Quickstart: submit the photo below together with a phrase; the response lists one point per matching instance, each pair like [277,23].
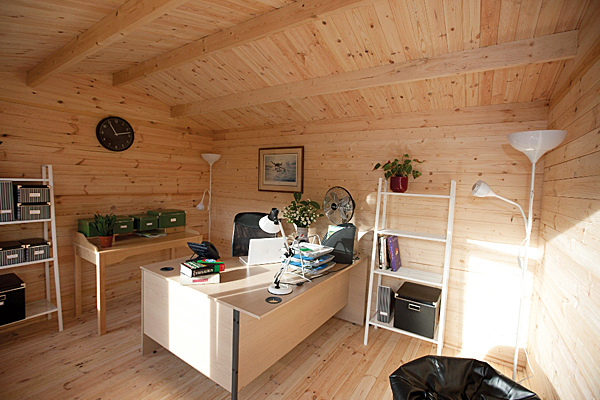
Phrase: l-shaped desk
[228,331]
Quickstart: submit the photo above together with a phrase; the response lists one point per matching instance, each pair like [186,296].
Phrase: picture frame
[281,169]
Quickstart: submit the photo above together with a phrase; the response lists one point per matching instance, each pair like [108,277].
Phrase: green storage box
[85,226]
[144,222]
[169,218]
[123,224]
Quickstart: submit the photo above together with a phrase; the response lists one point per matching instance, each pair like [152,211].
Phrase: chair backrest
[245,227]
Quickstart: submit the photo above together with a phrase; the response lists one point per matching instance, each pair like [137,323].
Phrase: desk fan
[339,206]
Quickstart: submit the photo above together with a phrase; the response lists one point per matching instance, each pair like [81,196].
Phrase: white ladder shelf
[410,274]
[44,306]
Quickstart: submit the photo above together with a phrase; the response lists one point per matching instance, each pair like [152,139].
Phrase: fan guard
[338,205]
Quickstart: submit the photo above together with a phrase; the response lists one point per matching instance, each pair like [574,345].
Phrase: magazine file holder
[342,242]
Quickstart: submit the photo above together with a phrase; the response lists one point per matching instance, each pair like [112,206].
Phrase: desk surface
[130,242]
[242,287]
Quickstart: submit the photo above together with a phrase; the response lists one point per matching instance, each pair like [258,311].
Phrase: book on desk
[201,271]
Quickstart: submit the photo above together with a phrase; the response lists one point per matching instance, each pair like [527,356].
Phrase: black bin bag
[452,378]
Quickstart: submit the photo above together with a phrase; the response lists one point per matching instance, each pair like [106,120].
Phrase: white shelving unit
[44,306]
[410,274]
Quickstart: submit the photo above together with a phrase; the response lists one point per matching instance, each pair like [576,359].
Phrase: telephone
[204,250]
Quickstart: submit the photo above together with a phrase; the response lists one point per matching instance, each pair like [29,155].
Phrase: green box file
[169,218]
[123,224]
[144,222]
[85,226]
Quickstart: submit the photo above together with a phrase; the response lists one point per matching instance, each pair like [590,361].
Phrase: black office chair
[245,227]
[453,378]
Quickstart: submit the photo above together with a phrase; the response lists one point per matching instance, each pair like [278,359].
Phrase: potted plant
[302,213]
[104,224]
[398,171]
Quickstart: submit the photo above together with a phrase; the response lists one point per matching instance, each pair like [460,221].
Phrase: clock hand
[113,128]
[122,133]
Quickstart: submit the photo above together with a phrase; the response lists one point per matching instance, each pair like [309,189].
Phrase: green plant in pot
[104,224]
[398,172]
[302,213]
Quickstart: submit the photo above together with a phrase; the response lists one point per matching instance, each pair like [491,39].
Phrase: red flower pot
[106,241]
[399,184]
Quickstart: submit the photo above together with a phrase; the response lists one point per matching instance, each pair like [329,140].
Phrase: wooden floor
[38,362]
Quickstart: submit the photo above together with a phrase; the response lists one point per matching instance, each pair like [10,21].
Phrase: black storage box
[12,299]
[7,205]
[417,309]
[28,212]
[28,194]
[11,253]
[36,249]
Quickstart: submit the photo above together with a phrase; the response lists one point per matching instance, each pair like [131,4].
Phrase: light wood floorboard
[37,362]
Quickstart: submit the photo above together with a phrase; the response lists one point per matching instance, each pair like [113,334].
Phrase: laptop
[264,251]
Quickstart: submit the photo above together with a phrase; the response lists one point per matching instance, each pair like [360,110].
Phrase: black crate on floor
[417,309]
[12,299]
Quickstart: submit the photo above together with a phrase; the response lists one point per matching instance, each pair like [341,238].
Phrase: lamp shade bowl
[482,189]
[535,143]
[267,225]
[211,158]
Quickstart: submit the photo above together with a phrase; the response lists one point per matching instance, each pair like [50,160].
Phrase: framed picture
[281,169]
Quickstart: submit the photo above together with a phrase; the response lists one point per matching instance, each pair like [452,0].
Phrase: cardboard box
[169,218]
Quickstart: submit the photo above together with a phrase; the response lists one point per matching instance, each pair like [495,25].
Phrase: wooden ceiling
[240,63]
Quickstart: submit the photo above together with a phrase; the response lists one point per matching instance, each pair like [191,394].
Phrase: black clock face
[115,134]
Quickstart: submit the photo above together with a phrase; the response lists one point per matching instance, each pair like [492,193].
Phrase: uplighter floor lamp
[210,159]
[534,144]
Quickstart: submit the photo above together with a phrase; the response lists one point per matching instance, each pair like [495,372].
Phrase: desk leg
[100,296]
[235,352]
[77,261]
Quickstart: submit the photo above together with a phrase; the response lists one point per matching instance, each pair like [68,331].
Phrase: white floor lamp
[210,159]
[534,144]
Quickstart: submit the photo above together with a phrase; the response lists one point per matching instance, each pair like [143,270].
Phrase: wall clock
[114,134]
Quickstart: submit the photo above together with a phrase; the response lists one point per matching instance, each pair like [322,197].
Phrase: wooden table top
[242,287]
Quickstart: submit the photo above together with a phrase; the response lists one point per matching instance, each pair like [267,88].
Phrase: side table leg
[235,352]
[100,296]
[77,262]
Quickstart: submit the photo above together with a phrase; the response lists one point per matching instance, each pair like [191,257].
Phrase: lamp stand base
[281,290]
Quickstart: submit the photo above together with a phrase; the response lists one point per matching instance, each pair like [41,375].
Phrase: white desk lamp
[210,159]
[271,224]
[534,144]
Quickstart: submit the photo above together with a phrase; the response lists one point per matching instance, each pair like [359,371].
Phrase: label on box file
[34,212]
[173,219]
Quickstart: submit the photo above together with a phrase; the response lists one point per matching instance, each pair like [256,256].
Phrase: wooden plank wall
[55,124]
[564,340]
[461,144]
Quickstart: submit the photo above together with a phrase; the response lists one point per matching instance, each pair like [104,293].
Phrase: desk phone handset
[204,250]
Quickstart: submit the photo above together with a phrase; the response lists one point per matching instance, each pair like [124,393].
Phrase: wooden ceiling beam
[127,18]
[279,20]
[560,46]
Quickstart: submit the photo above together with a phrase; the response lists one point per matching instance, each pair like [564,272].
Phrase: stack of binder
[312,259]
[202,271]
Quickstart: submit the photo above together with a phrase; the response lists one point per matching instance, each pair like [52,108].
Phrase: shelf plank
[25,179]
[390,326]
[26,263]
[25,222]
[432,196]
[37,308]
[413,235]
[413,275]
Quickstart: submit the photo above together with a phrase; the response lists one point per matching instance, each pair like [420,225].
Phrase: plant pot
[302,234]
[399,184]
[106,241]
